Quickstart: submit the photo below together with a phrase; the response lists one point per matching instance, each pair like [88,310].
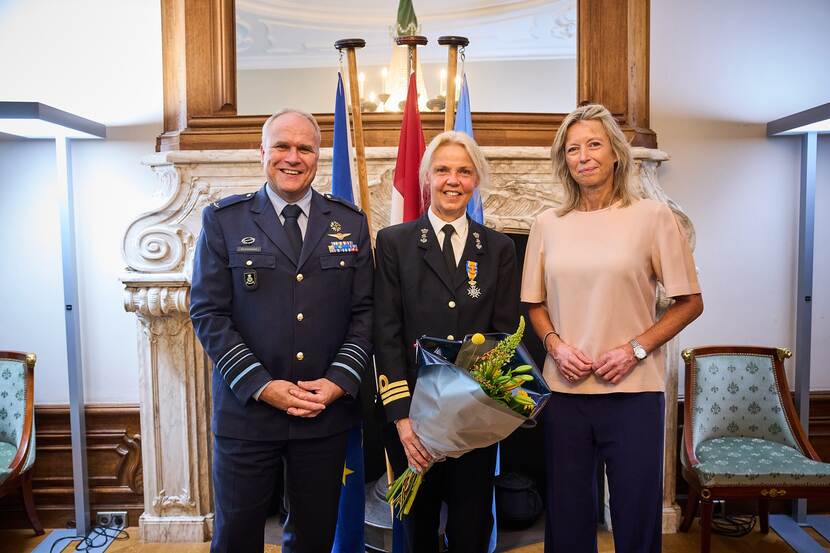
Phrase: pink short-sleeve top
[597,274]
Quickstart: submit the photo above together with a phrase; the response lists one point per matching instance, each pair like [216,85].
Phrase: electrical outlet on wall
[111,519]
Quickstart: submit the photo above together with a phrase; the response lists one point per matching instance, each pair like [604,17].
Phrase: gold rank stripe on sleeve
[392,391]
[395,397]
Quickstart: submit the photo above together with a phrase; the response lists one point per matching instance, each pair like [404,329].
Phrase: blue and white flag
[475,209]
[464,123]
[349,537]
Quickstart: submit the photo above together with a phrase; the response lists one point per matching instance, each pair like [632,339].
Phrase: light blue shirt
[304,204]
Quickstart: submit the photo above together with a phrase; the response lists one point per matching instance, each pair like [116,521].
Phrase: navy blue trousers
[244,478]
[623,430]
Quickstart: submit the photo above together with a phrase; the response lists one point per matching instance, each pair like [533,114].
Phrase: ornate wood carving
[114,464]
[199,58]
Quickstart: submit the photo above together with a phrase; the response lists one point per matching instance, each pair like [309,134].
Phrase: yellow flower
[477,339]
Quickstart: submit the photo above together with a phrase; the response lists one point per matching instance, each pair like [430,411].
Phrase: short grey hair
[299,112]
[619,144]
[464,140]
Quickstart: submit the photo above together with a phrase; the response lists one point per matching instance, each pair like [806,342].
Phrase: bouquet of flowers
[469,395]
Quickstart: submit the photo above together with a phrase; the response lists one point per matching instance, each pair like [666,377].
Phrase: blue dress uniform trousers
[261,314]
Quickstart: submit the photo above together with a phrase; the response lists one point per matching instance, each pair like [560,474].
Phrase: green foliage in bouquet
[488,370]
[504,387]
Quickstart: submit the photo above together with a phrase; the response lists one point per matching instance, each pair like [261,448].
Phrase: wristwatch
[639,351]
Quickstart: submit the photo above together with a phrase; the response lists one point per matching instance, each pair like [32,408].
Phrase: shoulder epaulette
[231,200]
[341,201]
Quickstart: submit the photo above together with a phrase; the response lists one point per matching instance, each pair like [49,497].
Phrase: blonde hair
[301,113]
[619,145]
[462,139]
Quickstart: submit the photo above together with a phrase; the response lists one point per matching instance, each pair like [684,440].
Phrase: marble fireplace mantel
[175,372]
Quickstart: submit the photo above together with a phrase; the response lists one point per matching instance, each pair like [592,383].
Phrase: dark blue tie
[446,249]
[291,213]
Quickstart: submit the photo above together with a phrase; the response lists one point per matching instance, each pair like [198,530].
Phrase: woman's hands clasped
[613,365]
[571,362]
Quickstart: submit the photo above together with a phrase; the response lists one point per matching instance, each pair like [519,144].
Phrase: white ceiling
[273,34]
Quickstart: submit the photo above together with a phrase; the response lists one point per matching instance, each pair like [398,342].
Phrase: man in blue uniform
[281,301]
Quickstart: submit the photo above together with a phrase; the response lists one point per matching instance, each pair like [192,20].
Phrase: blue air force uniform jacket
[260,316]
[416,295]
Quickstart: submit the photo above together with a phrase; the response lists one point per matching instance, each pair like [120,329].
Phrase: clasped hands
[304,399]
[575,365]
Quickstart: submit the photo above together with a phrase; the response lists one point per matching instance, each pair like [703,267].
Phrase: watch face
[640,352]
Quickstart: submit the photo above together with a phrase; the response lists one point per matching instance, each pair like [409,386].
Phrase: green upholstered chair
[741,435]
[17,428]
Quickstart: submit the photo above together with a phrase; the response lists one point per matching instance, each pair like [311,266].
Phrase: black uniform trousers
[625,430]
[464,484]
[244,478]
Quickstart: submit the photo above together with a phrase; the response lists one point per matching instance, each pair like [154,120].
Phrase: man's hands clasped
[303,399]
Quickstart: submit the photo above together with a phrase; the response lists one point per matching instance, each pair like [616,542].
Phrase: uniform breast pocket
[346,261]
[250,268]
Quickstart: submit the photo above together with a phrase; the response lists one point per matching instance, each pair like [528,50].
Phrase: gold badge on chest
[335,231]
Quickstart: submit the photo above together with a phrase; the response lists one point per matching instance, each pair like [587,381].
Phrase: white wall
[102,60]
[720,71]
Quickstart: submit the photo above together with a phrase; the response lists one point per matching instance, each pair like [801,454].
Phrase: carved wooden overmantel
[175,373]
[200,111]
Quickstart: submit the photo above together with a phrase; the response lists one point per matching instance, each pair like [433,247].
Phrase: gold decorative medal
[472,272]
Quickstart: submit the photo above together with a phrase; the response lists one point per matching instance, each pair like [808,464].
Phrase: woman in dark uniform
[442,275]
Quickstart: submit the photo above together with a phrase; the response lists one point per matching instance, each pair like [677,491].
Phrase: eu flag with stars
[349,536]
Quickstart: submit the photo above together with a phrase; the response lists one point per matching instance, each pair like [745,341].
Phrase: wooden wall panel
[113,464]
[199,58]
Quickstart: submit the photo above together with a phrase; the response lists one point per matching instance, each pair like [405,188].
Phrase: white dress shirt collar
[459,238]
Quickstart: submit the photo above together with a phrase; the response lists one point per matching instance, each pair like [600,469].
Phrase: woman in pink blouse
[591,272]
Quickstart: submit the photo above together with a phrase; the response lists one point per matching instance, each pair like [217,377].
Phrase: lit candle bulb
[442,88]
[361,79]
[384,75]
